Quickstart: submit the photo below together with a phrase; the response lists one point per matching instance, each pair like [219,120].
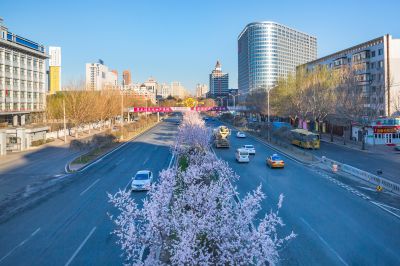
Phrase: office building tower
[98,77]
[54,69]
[219,82]
[126,77]
[268,51]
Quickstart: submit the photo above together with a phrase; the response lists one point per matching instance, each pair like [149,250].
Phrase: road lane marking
[20,244]
[145,161]
[80,247]
[117,163]
[89,187]
[384,207]
[323,241]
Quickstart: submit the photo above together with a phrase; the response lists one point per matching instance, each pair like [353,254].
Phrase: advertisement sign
[386,130]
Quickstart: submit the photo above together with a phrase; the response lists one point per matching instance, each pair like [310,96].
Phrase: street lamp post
[269,126]
[234,100]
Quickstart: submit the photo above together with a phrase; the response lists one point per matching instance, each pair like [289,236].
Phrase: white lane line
[120,161]
[170,162]
[145,161]
[89,187]
[323,241]
[20,244]
[385,209]
[80,247]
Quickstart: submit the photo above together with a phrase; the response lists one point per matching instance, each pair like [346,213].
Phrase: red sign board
[175,109]
[386,129]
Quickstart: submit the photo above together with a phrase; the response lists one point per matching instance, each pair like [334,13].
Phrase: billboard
[176,109]
[54,56]
[54,79]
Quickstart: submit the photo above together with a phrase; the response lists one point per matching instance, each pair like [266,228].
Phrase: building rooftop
[18,41]
[275,23]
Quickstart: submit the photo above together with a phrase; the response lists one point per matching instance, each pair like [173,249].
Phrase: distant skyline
[182,40]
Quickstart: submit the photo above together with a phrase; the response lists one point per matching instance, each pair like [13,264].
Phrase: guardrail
[366,176]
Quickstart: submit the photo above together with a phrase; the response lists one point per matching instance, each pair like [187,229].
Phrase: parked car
[240,134]
[242,155]
[275,161]
[250,149]
[397,147]
[142,180]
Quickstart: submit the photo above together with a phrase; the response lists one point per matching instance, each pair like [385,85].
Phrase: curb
[98,159]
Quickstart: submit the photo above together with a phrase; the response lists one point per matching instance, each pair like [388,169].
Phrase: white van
[242,156]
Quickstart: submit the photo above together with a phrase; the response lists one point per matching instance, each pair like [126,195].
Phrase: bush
[97,141]
[39,142]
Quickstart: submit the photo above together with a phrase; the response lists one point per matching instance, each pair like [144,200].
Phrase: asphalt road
[334,225]
[18,171]
[72,227]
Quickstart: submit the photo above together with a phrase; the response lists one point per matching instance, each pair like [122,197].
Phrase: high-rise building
[54,69]
[99,77]
[219,82]
[268,51]
[377,66]
[116,73]
[22,77]
[178,90]
[126,77]
[164,90]
[201,90]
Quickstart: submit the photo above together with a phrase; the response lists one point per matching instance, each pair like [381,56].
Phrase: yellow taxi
[275,161]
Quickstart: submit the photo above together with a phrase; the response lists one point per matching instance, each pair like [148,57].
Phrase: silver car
[250,149]
[142,180]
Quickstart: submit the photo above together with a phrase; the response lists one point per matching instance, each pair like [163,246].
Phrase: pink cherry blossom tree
[190,216]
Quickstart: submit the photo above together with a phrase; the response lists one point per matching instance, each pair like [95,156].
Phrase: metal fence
[366,176]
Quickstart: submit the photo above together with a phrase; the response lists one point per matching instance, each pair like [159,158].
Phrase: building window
[380,52]
[373,54]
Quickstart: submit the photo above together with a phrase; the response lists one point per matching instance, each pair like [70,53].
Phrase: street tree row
[339,96]
[84,107]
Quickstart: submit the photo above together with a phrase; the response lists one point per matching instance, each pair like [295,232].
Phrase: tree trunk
[344,135]
[331,132]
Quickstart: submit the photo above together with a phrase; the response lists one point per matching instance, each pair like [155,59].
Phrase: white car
[242,156]
[240,134]
[250,149]
[142,180]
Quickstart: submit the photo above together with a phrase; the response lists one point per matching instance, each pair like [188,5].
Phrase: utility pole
[65,124]
[122,108]
[268,115]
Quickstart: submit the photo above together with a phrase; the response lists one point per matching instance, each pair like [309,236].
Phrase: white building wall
[23,80]
[98,76]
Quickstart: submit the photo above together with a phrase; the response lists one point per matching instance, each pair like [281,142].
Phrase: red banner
[175,109]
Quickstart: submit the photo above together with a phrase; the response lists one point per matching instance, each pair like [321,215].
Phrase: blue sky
[181,40]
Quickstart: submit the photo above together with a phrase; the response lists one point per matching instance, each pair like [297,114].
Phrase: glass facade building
[268,51]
